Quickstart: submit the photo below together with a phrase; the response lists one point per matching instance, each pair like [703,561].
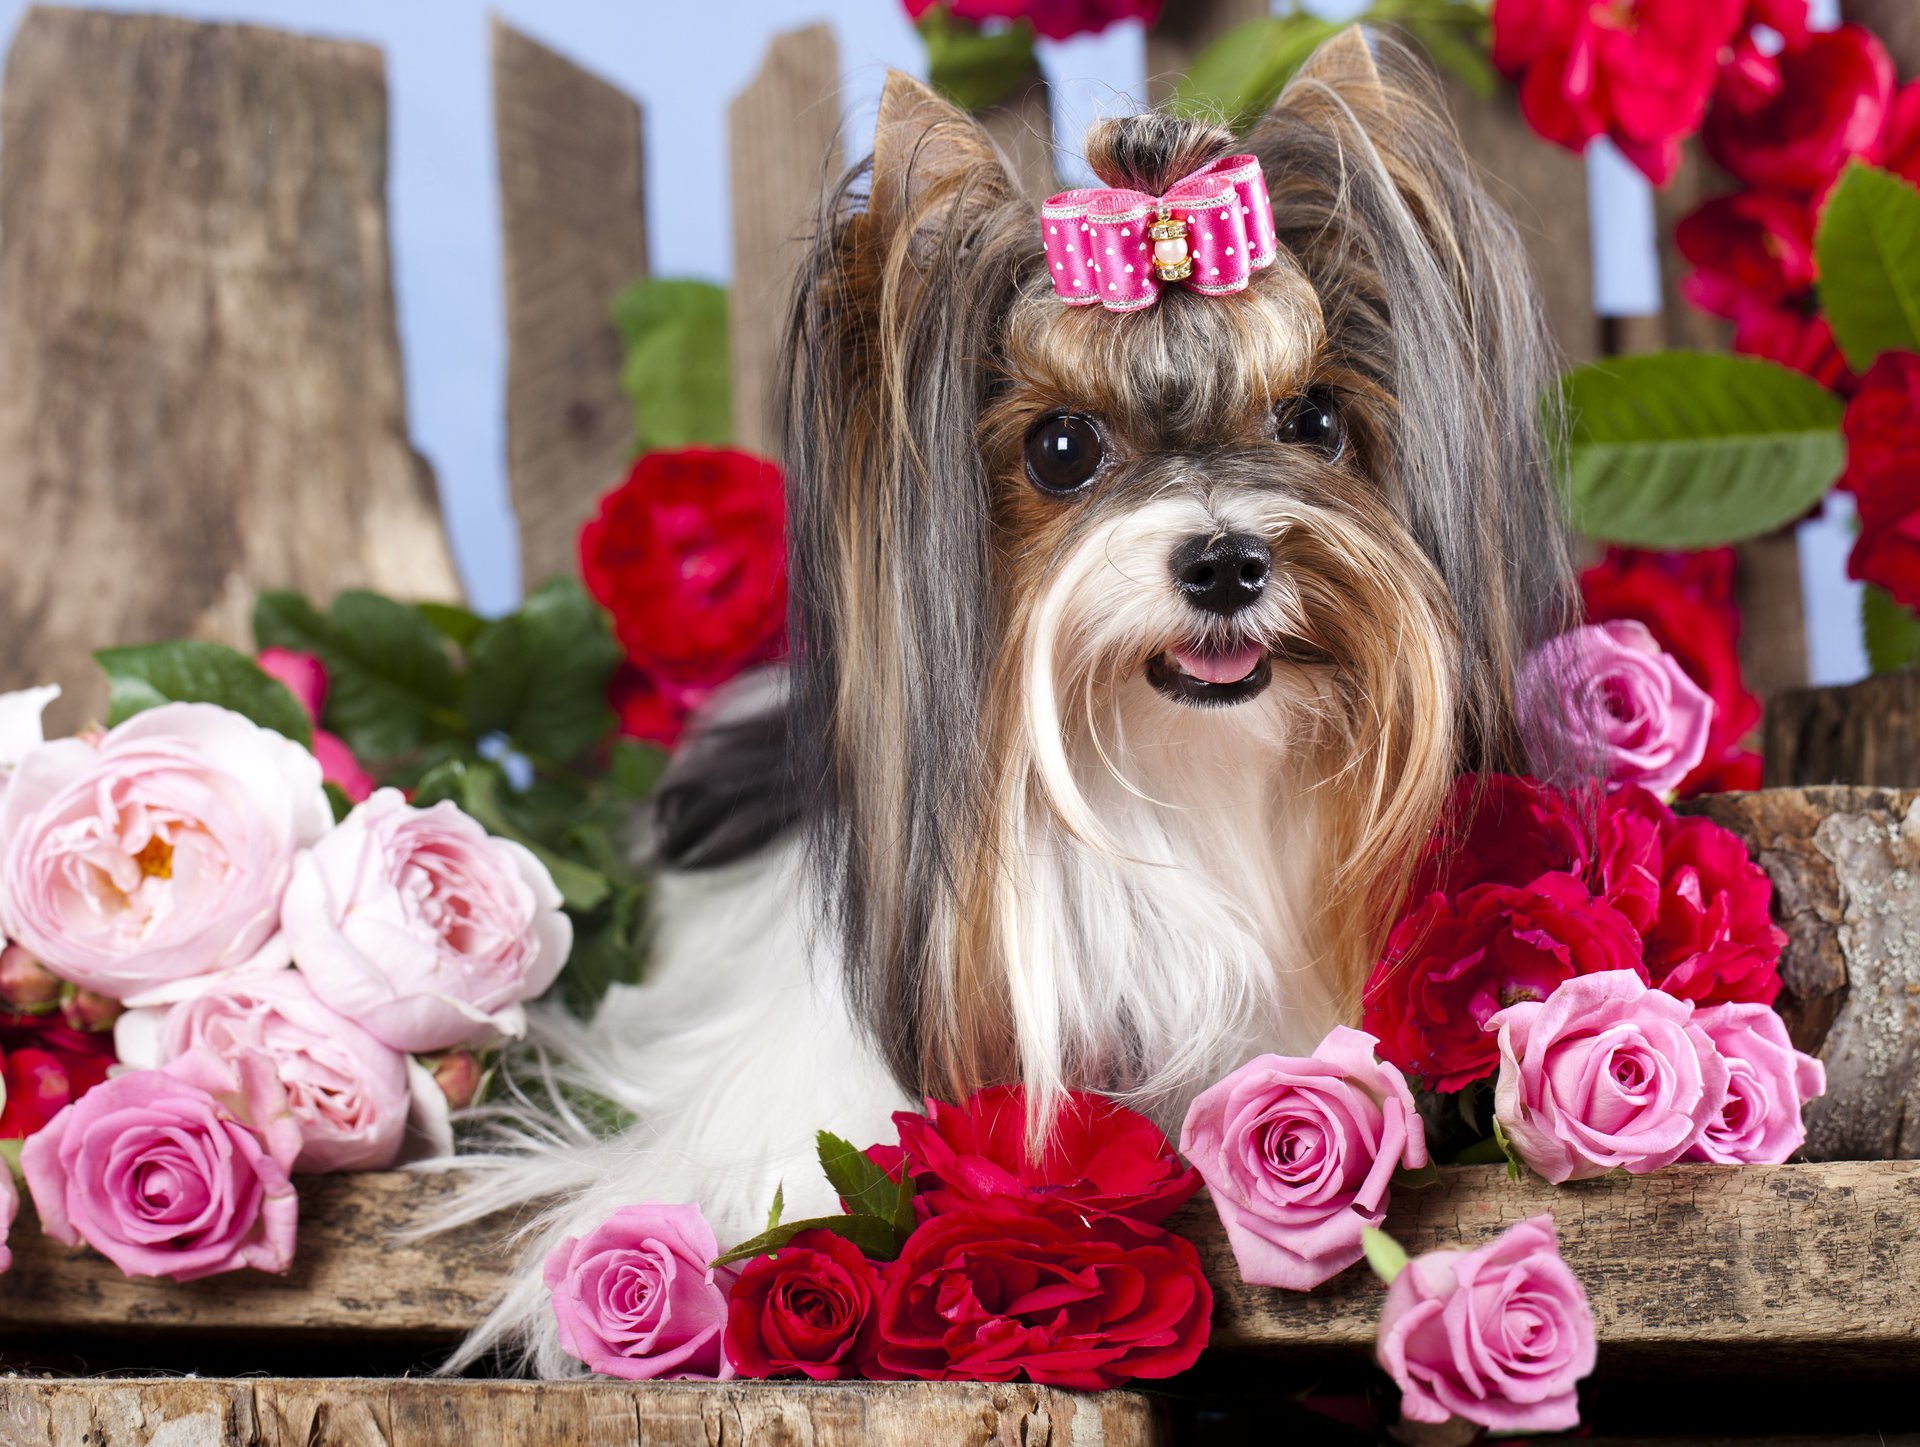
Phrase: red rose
[1750,250]
[993,1293]
[48,1066]
[1639,71]
[1453,963]
[1711,939]
[1795,336]
[1686,602]
[1883,473]
[1502,829]
[1055,19]
[689,556]
[807,1309]
[1900,146]
[1757,73]
[1098,1158]
[1831,103]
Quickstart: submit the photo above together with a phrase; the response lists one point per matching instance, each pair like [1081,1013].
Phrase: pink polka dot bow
[1211,231]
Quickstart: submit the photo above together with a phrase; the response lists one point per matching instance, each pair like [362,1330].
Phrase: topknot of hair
[1151,151]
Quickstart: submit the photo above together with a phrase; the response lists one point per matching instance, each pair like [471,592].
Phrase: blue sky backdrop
[683,62]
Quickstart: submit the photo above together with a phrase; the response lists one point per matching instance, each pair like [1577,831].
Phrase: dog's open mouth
[1211,677]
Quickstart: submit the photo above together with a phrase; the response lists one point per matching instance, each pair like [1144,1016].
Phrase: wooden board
[1021,125]
[1767,1265]
[573,230]
[284,1412]
[200,383]
[1862,733]
[783,139]
[1897,22]
[1183,30]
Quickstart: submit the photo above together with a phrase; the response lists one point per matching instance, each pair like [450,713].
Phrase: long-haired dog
[1134,654]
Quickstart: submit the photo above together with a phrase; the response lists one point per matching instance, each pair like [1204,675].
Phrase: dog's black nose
[1222,574]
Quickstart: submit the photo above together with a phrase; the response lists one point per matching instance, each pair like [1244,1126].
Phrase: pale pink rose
[20,727]
[348,1091]
[1499,1335]
[1610,690]
[306,679]
[1605,1074]
[1298,1155]
[180,1171]
[1769,1084]
[423,927]
[635,1297]
[156,852]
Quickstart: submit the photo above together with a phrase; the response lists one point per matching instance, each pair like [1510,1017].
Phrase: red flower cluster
[1686,601]
[1050,1267]
[1785,126]
[689,556]
[1640,72]
[1883,474]
[48,1065]
[1526,887]
[1055,19]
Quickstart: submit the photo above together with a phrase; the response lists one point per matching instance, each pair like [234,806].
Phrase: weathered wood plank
[1021,124]
[354,1412]
[1862,733]
[1185,29]
[1845,865]
[573,226]
[783,137]
[1799,1264]
[200,382]
[1897,22]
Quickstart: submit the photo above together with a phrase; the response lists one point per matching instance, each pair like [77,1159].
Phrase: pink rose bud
[157,852]
[458,1076]
[1298,1154]
[25,983]
[89,1010]
[421,926]
[635,1297]
[1769,1084]
[1609,695]
[303,673]
[1605,1074]
[1499,1335]
[178,1172]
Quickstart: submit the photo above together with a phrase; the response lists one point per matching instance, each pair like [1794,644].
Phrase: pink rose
[306,679]
[1299,1153]
[423,927]
[1769,1082]
[9,1208]
[1606,1073]
[348,1091]
[1498,1335]
[1608,692]
[635,1297]
[158,851]
[178,1172]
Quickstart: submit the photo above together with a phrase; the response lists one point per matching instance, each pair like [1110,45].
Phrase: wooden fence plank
[1897,22]
[200,383]
[1186,28]
[283,1412]
[1021,125]
[573,227]
[1763,1265]
[783,136]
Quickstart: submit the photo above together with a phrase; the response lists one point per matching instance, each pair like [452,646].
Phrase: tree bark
[573,226]
[200,382]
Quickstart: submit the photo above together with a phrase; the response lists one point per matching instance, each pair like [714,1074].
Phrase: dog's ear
[1436,338]
[932,163]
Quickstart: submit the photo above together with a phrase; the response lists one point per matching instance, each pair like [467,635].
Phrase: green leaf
[1420,1179]
[873,1235]
[390,683]
[337,799]
[582,888]
[1515,1166]
[607,951]
[1683,450]
[1455,33]
[1868,253]
[634,768]
[540,674]
[1892,631]
[459,626]
[1235,79]
[1386,1256]
[865,1187]
[972,67]
[779,1205]
[677,369]
[1487,1152]
[150,674]
[442,781]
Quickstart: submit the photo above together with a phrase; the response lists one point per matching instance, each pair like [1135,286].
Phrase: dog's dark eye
[1063,452]
[1312,420]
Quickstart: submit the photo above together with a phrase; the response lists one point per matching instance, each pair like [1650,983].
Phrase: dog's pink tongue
[1213,666]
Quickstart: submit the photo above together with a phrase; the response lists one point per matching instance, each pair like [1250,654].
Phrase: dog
[1135,651]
